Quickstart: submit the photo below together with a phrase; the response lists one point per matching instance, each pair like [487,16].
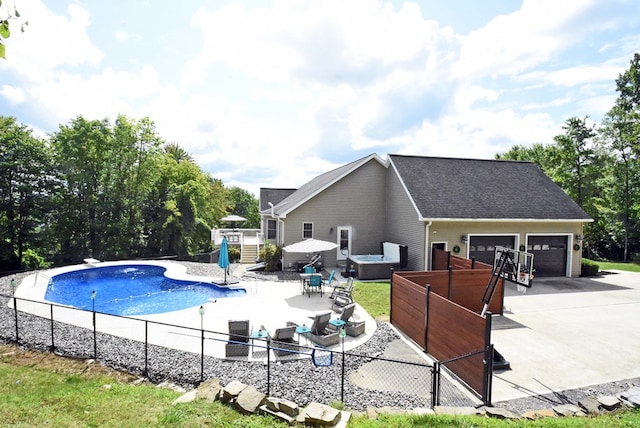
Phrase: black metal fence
[187,356]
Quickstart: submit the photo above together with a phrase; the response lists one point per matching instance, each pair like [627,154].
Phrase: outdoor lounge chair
[342,288]
[342,297]
[320,334]
[353,328]
[284,342]
[238,344]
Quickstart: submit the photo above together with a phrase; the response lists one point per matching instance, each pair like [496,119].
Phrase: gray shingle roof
[448,188]
[272,195]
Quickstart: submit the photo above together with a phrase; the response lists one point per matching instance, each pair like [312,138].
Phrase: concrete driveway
[568,333]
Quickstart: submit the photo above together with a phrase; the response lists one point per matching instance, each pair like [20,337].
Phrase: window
[307,230]
[271,229]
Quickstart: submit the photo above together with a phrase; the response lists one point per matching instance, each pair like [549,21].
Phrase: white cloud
[523,39]
[12,94]
[286,90]
[51,41]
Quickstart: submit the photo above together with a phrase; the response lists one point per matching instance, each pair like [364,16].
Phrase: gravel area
[297,380]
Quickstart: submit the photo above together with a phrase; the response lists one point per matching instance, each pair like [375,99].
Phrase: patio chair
[320,334]
[329,280]
[284,342]
[342,298]
[238,344]
[342,288]
[353,328]
[314,283]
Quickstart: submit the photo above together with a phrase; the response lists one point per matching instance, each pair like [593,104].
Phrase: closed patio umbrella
[223,258]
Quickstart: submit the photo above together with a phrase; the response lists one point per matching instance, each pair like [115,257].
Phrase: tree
[183,204]
[621,133]
[5,33]
[27,181]
[537,153]
[574,157]
[245,204]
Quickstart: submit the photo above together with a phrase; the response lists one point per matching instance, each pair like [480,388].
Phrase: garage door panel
[549,255]
[482,248]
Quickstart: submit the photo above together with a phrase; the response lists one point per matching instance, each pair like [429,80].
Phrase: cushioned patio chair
[239,334]
[320,334]
[353,328]
[283,341]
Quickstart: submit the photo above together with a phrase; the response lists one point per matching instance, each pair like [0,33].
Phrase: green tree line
[109,191]
[598,165]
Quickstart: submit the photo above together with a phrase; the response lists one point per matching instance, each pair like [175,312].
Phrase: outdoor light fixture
[578,238]
[463,239]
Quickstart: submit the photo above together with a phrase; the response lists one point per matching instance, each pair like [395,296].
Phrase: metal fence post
[268,366]
[95,339]
[146,348]
[343,333]
[488,375]
[201,312]
[15,311]
[53,346]
[435,384]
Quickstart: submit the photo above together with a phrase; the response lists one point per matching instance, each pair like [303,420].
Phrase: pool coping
[267,304]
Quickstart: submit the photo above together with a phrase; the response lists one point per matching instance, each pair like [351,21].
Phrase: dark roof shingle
[449,188]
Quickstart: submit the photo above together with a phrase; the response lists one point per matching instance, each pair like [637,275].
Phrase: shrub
[32,260]
[589,268]
[234,254]
[272,257]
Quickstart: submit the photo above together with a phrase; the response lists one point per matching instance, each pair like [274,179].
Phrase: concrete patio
[568,333]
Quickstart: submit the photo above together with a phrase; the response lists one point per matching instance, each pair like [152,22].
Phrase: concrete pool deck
[267,304]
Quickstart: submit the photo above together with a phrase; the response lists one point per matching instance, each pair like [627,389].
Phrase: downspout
[427,256]
[279,227]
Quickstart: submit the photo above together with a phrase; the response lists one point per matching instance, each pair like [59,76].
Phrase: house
[467,206]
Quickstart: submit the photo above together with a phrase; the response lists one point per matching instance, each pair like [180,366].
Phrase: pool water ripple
[131,290]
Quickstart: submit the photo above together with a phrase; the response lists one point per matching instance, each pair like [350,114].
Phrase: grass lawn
[628,266]
[374,297]
[73,396]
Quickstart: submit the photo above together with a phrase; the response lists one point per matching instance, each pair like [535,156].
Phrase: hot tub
[378,266]
[372,266]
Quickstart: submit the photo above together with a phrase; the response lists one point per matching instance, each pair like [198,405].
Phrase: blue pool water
[131,290]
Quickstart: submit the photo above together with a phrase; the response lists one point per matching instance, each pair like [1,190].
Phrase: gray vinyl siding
[357,201]
[403,225]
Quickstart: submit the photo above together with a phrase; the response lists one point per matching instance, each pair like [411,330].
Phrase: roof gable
[320,183]
[449,188]
[272,195]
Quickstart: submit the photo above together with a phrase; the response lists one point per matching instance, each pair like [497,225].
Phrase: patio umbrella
[310,246]
[223,258]
[233,219]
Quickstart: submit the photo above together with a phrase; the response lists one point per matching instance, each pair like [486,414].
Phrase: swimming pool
[131,289]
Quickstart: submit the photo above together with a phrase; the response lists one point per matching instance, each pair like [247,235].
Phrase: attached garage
[482,248]
[549,254]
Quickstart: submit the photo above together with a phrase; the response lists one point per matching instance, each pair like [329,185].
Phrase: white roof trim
[406,191]
[509,220]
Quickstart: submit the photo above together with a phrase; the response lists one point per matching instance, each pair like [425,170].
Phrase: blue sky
[273,93]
